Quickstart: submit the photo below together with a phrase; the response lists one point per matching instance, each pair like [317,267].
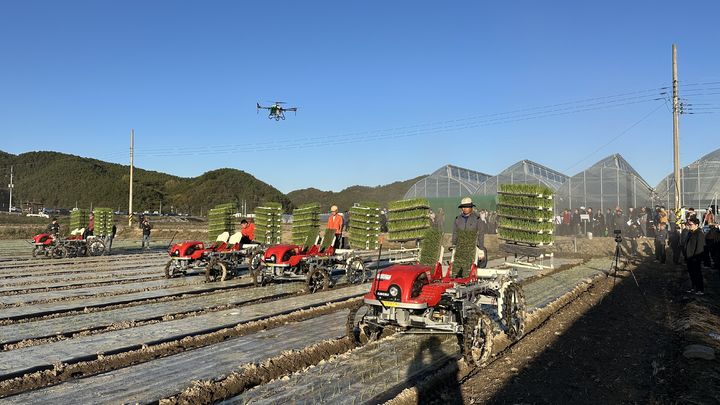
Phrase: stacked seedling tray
[79,219]
[268,222]
[408,219]
[306,223]
[525,214]
[103,221]
[365,226]
[221,219]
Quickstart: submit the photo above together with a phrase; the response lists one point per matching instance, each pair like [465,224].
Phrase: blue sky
[386,90]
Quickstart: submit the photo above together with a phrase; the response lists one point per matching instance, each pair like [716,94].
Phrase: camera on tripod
[618,235]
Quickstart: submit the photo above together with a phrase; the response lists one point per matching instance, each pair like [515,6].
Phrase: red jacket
[249,231]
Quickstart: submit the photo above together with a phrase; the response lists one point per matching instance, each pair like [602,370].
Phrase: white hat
[334,208]
[466,202]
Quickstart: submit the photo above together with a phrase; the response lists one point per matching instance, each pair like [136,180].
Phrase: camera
[618,235]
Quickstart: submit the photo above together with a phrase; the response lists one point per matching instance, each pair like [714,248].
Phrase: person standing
[146,228]
[440,219]
[335,222]
[661,238]
[712,240]
[694,248]
[111,236]
[674,242]
[468,220]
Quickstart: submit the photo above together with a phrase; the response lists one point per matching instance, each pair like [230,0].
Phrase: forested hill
[59,180]
[345,198]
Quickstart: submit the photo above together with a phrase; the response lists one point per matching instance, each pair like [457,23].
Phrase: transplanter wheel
[215,271]
[37,250]
[513,311]
[355,271]
[59,252]
[96,248]
[476,342]
[318,279]
[256,261]
[358,329]
[258,276]
[171,269]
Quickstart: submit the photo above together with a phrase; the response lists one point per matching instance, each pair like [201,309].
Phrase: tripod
[614,267]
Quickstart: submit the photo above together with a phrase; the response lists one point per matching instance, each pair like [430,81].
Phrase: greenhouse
[609,183]
[700,183]
[523,172]
[448,181]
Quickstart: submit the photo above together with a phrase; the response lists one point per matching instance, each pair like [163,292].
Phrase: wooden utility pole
[132,156]
[676,132]
[11,186]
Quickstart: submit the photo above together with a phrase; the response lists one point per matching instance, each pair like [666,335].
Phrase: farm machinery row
[316,264]
[76,245]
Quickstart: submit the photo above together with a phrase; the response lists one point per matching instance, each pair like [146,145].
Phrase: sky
[385,91]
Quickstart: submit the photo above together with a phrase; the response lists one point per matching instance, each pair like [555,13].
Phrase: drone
[277,111]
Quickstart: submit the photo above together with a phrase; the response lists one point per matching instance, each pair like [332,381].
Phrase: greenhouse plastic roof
[700,183]
[448,181]
[526,171]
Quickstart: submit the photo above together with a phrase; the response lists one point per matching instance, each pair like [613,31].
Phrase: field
[112,329]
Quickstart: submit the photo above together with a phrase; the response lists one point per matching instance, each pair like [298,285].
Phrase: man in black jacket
[694,248]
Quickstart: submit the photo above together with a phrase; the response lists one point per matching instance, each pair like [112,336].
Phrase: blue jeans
[146,240]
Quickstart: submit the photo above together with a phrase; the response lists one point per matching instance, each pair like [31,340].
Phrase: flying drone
[276,110]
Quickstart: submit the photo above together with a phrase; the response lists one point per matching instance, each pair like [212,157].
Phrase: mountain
[345,198]
[60,180]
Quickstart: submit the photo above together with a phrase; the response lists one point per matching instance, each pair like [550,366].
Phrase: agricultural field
[113,329]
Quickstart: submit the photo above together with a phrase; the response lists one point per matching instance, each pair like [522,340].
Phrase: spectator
[440,219]
[618,222]
[661,239]
[146,227]
[109,238]
[713,240]
[709,218]
[674,242]
[599,228]
[694,248]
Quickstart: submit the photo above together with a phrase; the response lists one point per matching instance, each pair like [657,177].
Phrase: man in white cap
[335,221]
[469,220]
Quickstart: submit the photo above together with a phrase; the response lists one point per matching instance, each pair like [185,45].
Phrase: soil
[616,343]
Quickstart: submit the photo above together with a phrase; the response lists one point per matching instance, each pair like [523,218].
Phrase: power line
[626,130]
[439,126]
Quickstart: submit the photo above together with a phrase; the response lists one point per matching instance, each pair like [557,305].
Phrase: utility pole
[676,131]
[132,156]
[11,186]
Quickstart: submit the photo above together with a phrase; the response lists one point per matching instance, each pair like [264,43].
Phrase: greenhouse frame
[700,183]
[447,181]
[611,182]
[524,172]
